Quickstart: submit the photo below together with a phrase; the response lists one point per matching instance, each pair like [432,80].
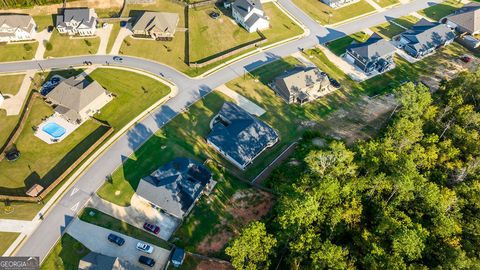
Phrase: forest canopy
[409,198]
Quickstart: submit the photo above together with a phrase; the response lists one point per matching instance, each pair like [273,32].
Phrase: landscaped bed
[17,51]
[327,15]
[63,45]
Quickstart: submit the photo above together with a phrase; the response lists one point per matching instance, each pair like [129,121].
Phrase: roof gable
[375,47]
[467,17]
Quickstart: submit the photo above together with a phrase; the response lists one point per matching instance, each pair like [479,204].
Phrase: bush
[88,42]
[48,46]
[27,47]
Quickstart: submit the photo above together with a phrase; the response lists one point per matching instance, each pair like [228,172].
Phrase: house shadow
[331,35]
[66,221]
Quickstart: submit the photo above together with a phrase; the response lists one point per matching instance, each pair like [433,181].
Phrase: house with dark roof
[338,3]
[375,54]
[301,84]
[425,37]
[76,99]
[250,15]
[465,19]
[97,261]
[239,136]
[157,25]
[77,21]
[176,186]
[16,27]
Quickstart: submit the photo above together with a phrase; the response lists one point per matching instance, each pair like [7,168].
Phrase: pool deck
[55,118]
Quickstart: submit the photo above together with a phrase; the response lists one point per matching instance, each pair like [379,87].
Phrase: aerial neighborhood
[240,134]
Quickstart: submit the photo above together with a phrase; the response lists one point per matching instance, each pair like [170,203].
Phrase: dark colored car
[466,59]
[178,256]
[146,260]
[334,83]
[151,228]
[116,239]
[117,59]
[123,24]
[12,155]
[214,15]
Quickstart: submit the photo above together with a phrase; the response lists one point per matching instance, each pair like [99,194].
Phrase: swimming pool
[53,129]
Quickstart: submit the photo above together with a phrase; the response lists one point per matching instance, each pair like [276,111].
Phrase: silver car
[145,247]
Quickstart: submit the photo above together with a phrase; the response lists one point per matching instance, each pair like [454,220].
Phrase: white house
[16,27]
[77,21]
[338,3]
[250,15]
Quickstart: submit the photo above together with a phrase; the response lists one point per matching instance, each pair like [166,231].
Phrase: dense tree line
[409,199]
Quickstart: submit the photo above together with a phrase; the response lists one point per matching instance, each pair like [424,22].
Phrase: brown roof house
[465,19]
[77,99]
[16,27]
[157,25]
[301,84]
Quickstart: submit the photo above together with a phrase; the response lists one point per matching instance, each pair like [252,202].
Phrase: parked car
[214,15]
[334,83]
[12,155]
[116,239]
[151,228]
[123,24]
[144,247]
[146,260]
[466,59]
[178,256]
[117,59]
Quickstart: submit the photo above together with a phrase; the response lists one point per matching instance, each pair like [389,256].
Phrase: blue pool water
[53,129]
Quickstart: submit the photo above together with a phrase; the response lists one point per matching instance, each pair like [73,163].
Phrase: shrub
[27,47]
[48,46]
[88,42]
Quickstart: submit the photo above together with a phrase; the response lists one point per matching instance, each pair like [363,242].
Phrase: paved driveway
[95,239]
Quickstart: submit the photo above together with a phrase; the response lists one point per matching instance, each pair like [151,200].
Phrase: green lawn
[113,36]
[106,221]
[43,21]
[386,3]
[339,46]
[65,255]
[388,30]
[134,94]
[407,21]
[9,84]
[441,10]
[17,51]
[68,46]
[7,240]
[281,26]
[321,12]
[107,12]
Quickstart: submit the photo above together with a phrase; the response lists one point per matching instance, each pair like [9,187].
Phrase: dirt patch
[361,121]
[209,265]
[244,206]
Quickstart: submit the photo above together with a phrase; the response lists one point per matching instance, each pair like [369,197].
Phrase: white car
[144,247]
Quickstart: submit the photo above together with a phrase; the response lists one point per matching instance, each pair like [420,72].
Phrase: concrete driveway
[95,239]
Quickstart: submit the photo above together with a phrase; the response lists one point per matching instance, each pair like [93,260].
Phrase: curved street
[44,236]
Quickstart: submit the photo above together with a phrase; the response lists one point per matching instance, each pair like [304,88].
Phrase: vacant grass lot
[7,240]
[17,51]
[65,255]
[281,27]
[320,12]
[388,30]
[43,21]
[441,10]
[339,46]
[113,36]
[68,46]
[106,221]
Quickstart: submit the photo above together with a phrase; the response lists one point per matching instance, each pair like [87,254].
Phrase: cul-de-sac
[239,134]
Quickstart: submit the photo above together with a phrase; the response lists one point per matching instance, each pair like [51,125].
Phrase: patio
[58,120]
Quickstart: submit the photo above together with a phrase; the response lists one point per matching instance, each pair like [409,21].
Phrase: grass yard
[106,221]
[441,10]
[339,46]
[321,12]
[7,240]
[407,21]
[43,21]
[68,46]
[9,84]
[208,36]
[281,26]
[17,51]
[387,30]
[113,36]
[65,255]
[108,12]
[386,3]
[134,94]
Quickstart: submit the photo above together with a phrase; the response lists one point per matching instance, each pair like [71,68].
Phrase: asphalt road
[190,90]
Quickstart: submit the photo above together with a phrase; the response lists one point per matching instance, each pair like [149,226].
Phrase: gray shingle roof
[97,261]
[240,135]
[243,6]
[374,47]
[83,15]
[175,186]
[425,34]
[22,21]
[467,17]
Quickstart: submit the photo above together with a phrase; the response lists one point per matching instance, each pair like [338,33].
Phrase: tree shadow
[138,135]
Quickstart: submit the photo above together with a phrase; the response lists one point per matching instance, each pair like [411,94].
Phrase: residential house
[176,186]
[77,21]
[16,27]
[239,136]
[76,99]
[301,84]
[157,25]
[97,261]
[376,54]
[465,19]
[338,3]
[250,15]
[425,37]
